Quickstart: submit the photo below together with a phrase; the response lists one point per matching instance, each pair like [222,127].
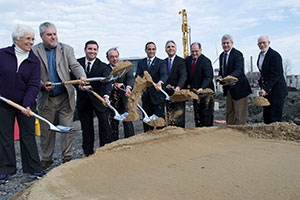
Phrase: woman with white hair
[19,82]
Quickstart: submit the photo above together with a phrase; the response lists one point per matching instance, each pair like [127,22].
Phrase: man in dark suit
[272,82]
[119,98]
[87,103]
[232,63]
[153,99]
[177,76]
[200,76]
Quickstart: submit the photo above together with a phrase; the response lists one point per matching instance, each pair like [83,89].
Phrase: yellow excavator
[186,31]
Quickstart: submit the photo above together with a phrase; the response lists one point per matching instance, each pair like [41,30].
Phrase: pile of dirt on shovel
[174,163]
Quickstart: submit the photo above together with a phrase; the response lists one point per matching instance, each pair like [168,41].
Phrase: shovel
[58,128]
[164,92]
[117,115]
[147,118]
[102,79]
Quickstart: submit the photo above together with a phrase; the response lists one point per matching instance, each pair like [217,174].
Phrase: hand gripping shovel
[58,128]
[148,77]
[117,115]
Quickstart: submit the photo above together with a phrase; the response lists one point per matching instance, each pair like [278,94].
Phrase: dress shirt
[261,58]
[86,64]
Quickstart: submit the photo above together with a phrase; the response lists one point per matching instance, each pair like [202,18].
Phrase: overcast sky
[128,25]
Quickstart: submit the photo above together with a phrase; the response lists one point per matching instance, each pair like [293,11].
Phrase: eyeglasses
[262,42]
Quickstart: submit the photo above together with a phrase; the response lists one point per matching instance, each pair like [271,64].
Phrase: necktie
[224,64]
[170,65]
[88,67]
[193,66]
[149,64]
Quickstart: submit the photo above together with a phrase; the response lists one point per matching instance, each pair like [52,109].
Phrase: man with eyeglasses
[200,76]
[272,82]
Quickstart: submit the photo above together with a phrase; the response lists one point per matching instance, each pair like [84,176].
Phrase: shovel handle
[98,97]
[17,106]
[72,82]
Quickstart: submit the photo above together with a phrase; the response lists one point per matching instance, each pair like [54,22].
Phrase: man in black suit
[119,98]
[153,99]
[177,76]
[87,103]
[272,82]
[200,76]
[232,63]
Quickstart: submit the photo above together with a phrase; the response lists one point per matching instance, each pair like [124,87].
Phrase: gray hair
[19,31]
[198,43]
[169,42]
[263,36]
[111,49]
[226,37]
[45,25]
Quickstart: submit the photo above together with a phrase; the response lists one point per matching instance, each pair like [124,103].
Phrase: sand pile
[183,95]
[174,163]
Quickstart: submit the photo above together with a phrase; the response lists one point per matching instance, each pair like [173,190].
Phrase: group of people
[27,73]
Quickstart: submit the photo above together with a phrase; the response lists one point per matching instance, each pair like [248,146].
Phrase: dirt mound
[278,130]
[175,163]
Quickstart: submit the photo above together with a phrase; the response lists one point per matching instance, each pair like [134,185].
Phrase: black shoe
[46,163]
[38,175]
[66,159]
[3,178]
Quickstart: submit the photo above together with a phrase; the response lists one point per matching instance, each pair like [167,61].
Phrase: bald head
[263,43]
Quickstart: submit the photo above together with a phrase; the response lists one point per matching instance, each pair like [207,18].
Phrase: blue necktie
[170,65]
[149,64]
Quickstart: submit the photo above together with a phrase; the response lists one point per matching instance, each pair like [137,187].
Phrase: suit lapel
[257,63]
[230,58]
[59,54]
[42,52]
[266,58]
[174,64]
[153,64]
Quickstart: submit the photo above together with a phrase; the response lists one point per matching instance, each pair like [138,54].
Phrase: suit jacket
[99,69]
[235,67]
[65,61]
[158,71]
[272,79]
[178,74]
[203,73]
[128,80]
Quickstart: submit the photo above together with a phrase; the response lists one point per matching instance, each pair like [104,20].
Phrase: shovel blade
[148,119]
[60,128]
[120,117]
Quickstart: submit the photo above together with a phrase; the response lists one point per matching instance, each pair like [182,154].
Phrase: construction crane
[186,31]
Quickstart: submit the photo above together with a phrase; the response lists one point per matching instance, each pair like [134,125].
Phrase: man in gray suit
[56,101]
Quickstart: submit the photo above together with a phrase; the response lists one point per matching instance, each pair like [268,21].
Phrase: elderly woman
[19,82]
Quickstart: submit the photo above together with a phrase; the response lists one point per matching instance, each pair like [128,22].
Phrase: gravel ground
[20,181]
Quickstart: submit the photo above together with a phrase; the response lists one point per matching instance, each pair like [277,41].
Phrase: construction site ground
[221,162]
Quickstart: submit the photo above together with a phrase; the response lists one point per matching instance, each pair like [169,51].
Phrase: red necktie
[193,66]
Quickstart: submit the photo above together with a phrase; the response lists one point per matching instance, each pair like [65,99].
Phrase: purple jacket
[23,86]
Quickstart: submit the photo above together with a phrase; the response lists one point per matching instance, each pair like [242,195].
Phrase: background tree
[287,67]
